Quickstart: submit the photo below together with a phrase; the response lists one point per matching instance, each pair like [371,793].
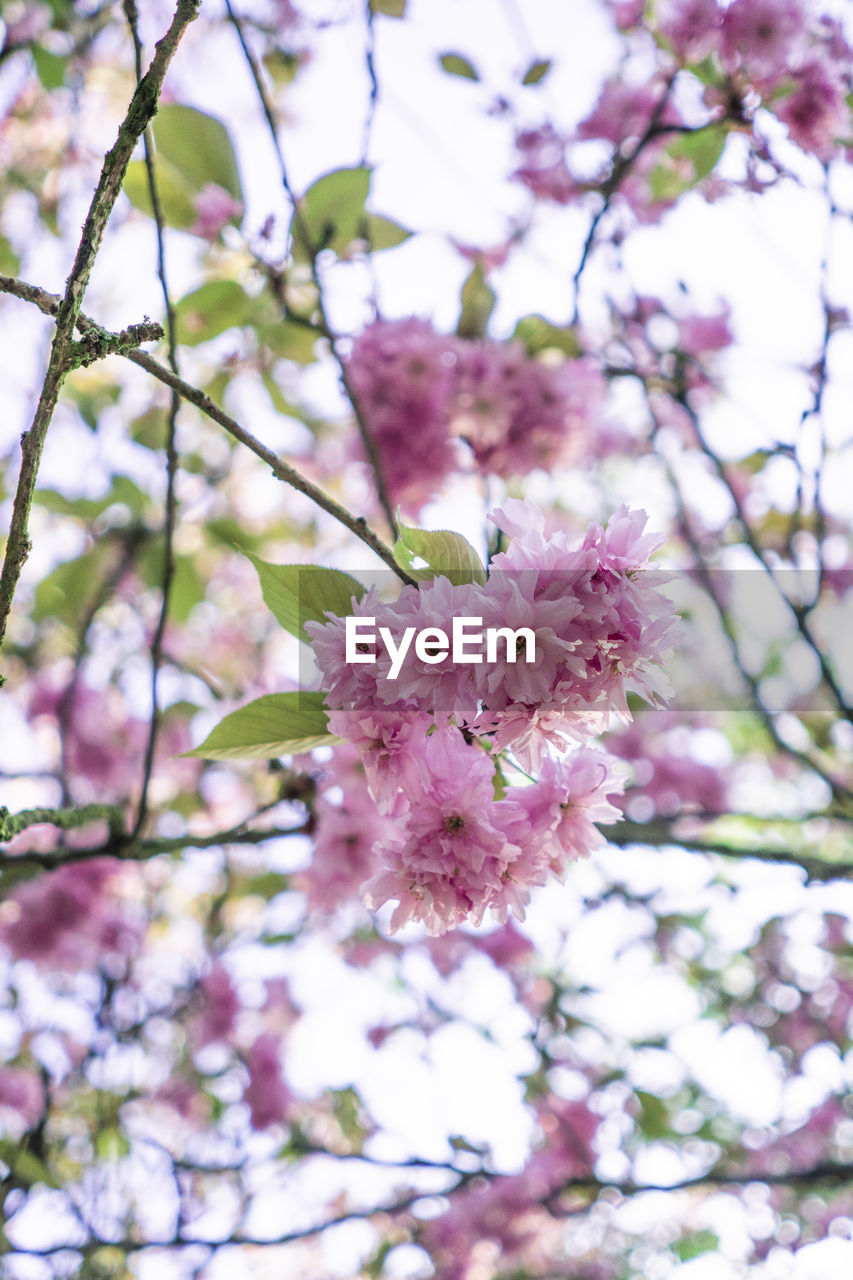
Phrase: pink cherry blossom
[627,13]
[351,684]
[347,828]
[266,1095]
[68,918]
[544,170]
[700,334]
[102,743]
[666,779]
[448,861]
[570,797]
[219,1008]
[456,842]
[388,740]
[506,946]
[510,601]
[762,36]
[184,1098]
[447,689]
[519,413]
[816,113]
[22,1091]
[692,27]
[622,114]
[401,375]
[215,208]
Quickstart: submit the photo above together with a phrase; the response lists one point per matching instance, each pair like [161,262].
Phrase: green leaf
[538,334]
[70,590]
[455,65]
[188,586]
[16,871]
[654,1119]
[708,70]
[91,393]
[122,492]
[275,724]
[702,148]
[266,885]
[698,1242]
[150,429]
[111,1144]
[391,8]
[193,150]
[666,184]
[478,301]
[289,340]
[211,309]
[176,197]
[537,71]
[109,1262]
[375,1266]
[219,305]
[282,66]
[447,555]
[384,233]
[460,1143]
[346,1105]
[26,1167]
[10,263]
[198,146]
[50,67]
[299,593]
[331,213]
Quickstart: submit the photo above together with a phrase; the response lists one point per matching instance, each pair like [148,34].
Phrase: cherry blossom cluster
[347,828]
[219,1020]
[781,55]
[667,778]
[435,739]
[69,918]
[796,60]
[422,392]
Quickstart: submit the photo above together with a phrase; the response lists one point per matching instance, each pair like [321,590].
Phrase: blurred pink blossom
[215,208]
[266,1095]
[22,1091]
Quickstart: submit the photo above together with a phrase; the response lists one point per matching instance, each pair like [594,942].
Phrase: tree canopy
[426,764]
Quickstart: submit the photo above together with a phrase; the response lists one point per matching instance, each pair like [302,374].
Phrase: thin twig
[373,79]
[798,612]
[282,470]
[313,251]
[48,303]
[169,521]
[840,793]
[622,166]
[824,1174]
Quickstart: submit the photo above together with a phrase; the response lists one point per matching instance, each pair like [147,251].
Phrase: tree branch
[313,251]
[156,647]
[120,844]
[48,303]
[63,354]
[657,833]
